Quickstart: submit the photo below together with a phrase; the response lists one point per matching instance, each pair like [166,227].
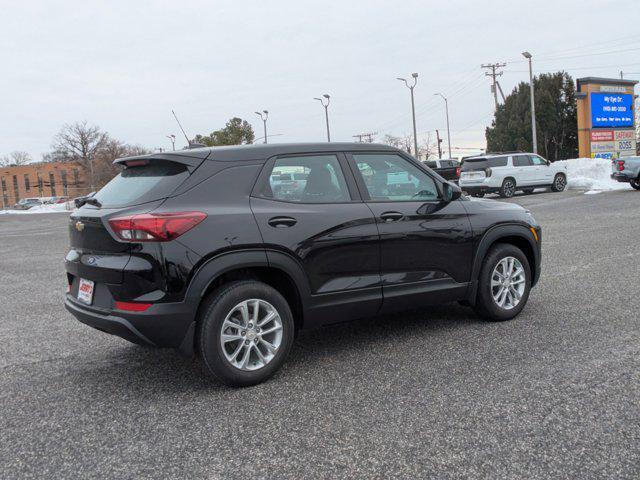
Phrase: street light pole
[528,56]
[264,121]
[446,107]
[172,138]
[326,111]
[413,112]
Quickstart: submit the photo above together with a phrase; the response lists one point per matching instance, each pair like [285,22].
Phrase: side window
[431,164]
[521,161]
[536,160]
[307,179]
[498,162]
[389,177]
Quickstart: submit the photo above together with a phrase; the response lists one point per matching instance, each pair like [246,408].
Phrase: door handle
[391,216]
[282,222]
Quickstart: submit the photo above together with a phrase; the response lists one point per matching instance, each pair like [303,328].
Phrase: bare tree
[15,159]
[104,169]
[80,142]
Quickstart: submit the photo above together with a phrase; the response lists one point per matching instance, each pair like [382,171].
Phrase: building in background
[35,180]
[606,117]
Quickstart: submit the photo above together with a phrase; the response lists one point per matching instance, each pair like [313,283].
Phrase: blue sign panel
[610,110]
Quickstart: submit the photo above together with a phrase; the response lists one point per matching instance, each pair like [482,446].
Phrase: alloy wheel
[509,188]
[251,334]
[508,281]
[560,183]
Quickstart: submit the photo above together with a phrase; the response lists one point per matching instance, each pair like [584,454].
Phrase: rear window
[431,164]
[143,183]
[482,163]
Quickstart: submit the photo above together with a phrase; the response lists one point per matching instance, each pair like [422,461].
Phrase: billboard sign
[610,110]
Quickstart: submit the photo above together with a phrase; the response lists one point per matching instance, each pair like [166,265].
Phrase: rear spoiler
[191,158]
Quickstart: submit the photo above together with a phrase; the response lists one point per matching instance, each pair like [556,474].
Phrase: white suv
[509,172]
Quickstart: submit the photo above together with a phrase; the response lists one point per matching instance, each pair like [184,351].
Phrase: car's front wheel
[635,183]
[504,283]
[559,183]
[246,330]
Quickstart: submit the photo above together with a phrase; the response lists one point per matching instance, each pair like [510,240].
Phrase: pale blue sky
[124,65]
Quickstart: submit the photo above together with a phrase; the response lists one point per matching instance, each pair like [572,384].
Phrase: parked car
[195,250]
[449,169]
[507,173]
[288,183]
[627,170]
[27,203]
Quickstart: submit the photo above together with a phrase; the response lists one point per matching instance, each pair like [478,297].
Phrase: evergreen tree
[556,120]
[235,132]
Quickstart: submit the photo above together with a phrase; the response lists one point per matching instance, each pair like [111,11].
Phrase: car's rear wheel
[559,183]
[504,283]
[246,330]
[508,188]
[635,183]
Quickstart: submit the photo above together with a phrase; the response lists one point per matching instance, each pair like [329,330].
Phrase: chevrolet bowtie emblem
[79,226]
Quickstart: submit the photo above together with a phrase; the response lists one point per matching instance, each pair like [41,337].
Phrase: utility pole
[365,137]
[326,111]
[493,74]
[413,112]
[439,146]
[534,137]
[263,116]
[446,106]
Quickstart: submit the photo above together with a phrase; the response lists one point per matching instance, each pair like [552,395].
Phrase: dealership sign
[611,110]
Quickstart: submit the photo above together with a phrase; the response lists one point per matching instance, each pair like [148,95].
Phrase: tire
[559,183]
[486,305]
[528,191]
[635,183]
[224,307]
[508,188]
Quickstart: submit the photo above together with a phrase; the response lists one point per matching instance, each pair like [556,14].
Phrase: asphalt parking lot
[433,393]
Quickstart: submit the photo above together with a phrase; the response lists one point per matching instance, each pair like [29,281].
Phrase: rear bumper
[620,177]
[471,189]
[162,325]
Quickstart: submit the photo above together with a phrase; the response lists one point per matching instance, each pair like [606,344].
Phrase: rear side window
[143,183]
[521,161]
[482,163]
[307,179]
[431,164]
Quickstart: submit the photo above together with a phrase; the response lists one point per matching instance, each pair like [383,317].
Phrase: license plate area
[85,291]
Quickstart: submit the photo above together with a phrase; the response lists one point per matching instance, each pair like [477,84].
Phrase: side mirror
[450,192]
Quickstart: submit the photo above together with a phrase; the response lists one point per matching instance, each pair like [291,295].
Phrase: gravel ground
[436,393]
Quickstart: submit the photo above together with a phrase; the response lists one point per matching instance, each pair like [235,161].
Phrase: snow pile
[591,174]
[52,208]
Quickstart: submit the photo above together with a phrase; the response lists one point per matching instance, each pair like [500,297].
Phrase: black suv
[198,250]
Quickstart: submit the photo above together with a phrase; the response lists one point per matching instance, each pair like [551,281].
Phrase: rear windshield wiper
[93,201]
[88,199]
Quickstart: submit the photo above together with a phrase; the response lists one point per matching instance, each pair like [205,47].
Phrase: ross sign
[611,110]
[625,148]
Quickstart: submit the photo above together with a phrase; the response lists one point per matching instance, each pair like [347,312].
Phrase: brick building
[55,179]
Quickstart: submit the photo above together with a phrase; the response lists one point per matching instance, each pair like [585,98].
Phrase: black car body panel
[339,261]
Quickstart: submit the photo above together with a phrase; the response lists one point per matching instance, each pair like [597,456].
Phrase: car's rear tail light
[620,165]
[132,306]
[155,227]
[487,172]
[457,171]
